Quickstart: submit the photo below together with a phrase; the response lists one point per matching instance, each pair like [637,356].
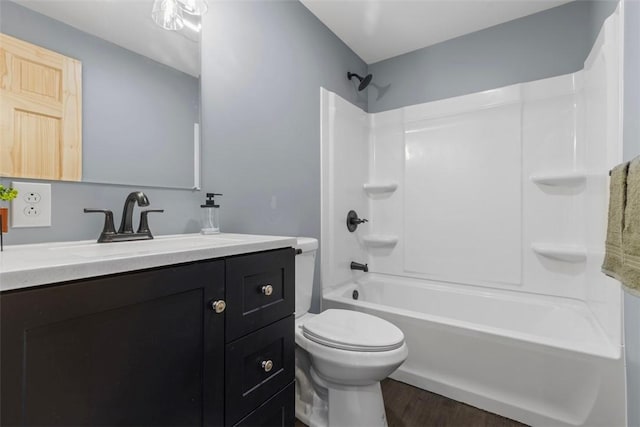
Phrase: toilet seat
[353,331]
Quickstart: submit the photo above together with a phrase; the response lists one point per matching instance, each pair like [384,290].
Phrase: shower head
[364,81]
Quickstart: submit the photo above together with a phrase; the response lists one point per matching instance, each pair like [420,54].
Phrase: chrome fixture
[364,81]
[169,14]
[358,266]
[218,306]
[125,233]
[267,365]
[353,221]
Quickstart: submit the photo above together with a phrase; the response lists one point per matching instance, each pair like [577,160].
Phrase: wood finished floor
[408,406]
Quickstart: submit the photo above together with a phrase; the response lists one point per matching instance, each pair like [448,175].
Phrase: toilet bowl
[341,357]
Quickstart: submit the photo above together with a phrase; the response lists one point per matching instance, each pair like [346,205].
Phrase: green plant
[7,193]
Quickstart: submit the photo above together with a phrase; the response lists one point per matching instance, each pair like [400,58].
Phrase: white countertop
[24,266]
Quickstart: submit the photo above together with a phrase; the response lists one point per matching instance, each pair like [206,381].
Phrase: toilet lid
[352,330]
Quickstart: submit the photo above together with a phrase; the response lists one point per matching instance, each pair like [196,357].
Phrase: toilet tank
[305,264]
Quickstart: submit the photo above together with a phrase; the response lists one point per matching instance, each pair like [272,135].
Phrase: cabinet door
[260,290]
[120,350]
[279,411]
[257,367]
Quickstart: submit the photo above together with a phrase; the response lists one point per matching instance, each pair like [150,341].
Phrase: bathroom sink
[136,248]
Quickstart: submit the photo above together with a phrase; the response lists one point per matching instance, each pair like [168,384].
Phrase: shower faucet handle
[353,221]
[358,220]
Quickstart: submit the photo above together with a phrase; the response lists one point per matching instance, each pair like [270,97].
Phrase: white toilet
[341,357]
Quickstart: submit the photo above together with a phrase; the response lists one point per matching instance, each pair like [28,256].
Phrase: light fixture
[169,13]
[195,27]
[194,7]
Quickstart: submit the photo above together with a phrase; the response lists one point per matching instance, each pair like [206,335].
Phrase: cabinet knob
[267,365]
[218,306]
[267,290]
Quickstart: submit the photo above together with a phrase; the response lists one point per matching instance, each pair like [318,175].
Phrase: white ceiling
[381,29]
[128,24]
[374,29]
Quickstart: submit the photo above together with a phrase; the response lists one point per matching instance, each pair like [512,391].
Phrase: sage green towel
[613,257]
[631,231]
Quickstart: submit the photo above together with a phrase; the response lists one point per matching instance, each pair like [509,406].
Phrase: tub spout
[358,266]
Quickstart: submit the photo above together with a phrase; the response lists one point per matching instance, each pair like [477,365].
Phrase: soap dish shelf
[380,240]
[566,253]
[560,179]
[380,187]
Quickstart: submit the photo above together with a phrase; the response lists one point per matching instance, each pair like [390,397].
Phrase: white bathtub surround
[501,204]
[344,166]
[380,187]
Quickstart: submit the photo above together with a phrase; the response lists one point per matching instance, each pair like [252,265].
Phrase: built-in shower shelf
[380,187]
[380,240]
[567,253]
[560,179]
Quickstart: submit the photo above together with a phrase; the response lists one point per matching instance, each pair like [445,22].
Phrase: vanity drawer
[279,411]
[260,290]
[258,366]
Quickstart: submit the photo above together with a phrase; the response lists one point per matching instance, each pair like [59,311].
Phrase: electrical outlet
[32,207]
[31,211]
[32,197]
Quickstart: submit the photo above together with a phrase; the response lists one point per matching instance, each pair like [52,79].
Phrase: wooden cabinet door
[141,348]
[40,112]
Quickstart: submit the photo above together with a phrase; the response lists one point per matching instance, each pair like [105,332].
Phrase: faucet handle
[108,229]
[144,222]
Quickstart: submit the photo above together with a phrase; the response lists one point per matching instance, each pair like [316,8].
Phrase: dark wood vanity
[202,343]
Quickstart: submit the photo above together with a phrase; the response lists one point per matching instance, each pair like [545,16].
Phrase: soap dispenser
[210,217]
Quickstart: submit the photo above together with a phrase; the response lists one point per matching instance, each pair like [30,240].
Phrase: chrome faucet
[126,225]
[125,232]
[358,266]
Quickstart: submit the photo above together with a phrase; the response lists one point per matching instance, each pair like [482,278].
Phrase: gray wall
[263,65]
[138,114]
[631,135]
[70,223]
[546,44]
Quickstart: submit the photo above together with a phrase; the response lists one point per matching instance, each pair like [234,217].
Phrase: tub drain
[355,294]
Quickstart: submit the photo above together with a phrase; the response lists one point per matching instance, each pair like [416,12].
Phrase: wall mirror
[140,85]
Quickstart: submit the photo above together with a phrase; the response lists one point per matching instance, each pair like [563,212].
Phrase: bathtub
[543,361]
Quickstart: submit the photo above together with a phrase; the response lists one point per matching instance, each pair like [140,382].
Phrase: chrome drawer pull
[267,365]
[218,306]
[267,290]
